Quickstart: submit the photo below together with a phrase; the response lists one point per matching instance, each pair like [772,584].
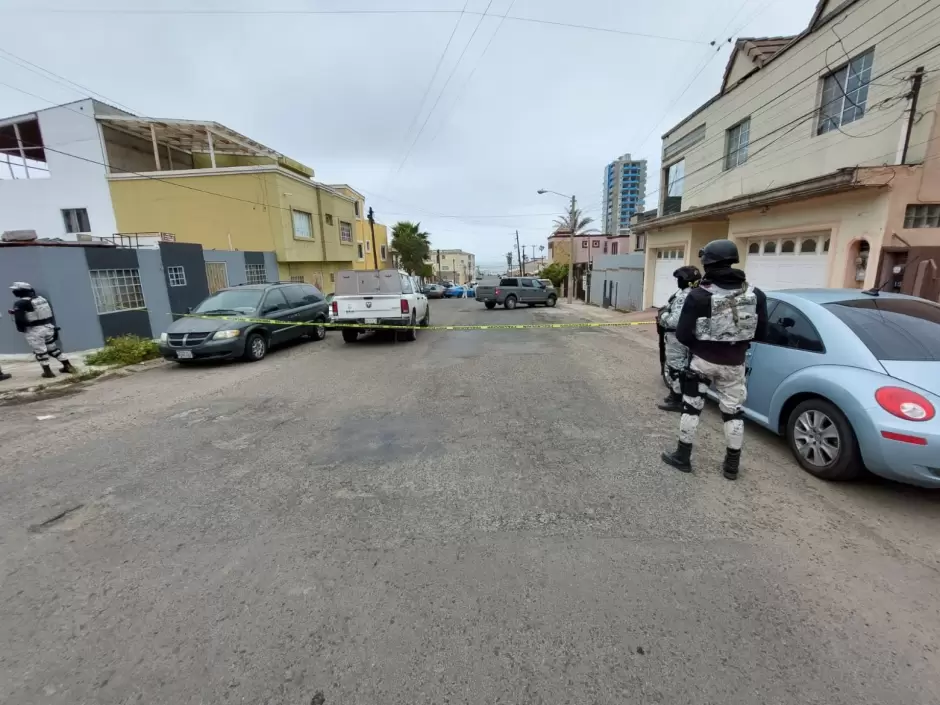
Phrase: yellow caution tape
[364,326]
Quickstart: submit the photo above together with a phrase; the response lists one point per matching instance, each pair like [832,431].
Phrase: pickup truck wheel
[490,304]
[256,347]
[350,335]
[550,302]
[510,302]
[426,321]
[411,334]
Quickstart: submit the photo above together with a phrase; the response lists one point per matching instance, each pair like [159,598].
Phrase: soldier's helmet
[719,252]
[22,289]
[689,274]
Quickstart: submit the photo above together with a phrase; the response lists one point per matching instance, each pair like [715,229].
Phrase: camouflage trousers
[729,385]
[677,361]
[42,341]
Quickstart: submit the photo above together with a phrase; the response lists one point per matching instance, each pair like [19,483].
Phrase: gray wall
[623,277]
[270,266]
[61,275]
[188,256]
[153,282]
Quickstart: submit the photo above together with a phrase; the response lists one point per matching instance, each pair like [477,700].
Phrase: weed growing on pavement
[125,350]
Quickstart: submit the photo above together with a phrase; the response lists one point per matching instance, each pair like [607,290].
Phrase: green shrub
[126,350]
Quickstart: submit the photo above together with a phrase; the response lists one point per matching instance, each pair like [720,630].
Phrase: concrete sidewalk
[27,373]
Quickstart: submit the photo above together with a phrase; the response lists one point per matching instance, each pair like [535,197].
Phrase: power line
[236,12]
[414,120]
[446,83]
[472,72]
[77,87]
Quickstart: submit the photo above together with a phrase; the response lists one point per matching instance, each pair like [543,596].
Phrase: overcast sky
[529,105]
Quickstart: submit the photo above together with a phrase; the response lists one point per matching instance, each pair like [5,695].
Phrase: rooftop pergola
[195,136]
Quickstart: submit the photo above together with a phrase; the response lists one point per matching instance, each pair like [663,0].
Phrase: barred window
[345,231]
[922,216]
[297,278]
[176,275]
[117,290]
[255,273]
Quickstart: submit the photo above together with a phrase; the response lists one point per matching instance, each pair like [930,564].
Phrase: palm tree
[412,245]
[574,221]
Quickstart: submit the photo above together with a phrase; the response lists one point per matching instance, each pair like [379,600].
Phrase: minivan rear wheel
[823,442]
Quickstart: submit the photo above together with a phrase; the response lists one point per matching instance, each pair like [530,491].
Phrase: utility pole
[916,81]
[519,253]
[375,251]
[439,265]
[574,206]
[523,260]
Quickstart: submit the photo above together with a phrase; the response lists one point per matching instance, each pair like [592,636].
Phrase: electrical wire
[446,83]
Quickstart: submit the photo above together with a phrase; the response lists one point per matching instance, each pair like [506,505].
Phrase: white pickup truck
[384,297]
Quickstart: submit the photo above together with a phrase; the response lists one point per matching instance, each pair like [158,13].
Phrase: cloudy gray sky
[523,105]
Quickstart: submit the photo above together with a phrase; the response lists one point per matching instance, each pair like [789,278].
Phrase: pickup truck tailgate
[486,292]
[368,306]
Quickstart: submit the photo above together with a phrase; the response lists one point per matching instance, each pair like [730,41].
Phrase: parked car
[516,290]
[548,283]
[457,291]
[851,380]
[386,297]
[433,291]
[206,335]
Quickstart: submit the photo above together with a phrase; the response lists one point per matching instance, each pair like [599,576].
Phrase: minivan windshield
[237,300]
[893,329]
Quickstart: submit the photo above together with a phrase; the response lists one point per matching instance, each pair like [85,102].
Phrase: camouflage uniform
[34,319]
[677,354]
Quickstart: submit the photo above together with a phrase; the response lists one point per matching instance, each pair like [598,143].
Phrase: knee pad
[689,409]
[732,417]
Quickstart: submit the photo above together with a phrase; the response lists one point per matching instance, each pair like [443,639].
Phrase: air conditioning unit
[18,235]
[84,237]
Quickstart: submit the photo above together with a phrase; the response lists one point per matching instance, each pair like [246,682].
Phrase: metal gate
[217,276]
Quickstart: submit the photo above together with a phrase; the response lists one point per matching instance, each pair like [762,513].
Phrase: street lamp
[571,223]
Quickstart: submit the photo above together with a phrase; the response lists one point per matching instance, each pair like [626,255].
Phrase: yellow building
[208,184]
[371,252]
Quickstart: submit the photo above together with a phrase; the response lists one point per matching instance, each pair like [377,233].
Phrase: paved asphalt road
[477,517]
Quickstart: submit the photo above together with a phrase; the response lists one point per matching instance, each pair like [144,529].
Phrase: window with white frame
[736,144]
[359,252]
[358,209]
[845,93]
[345,231]
[176,275]
[303,224]
[255,274]
[117,290]
[76,220]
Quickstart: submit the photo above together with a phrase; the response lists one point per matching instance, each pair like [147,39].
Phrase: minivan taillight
[905,404]
[335,308]
[404,307]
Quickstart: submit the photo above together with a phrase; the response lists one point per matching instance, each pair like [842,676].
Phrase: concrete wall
[270,267]
[61,275]
[783,144]
[622,277]
[36,204]
[153,282]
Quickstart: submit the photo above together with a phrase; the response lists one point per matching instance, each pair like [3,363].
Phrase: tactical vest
[670,318]
[41,313]
[734,315]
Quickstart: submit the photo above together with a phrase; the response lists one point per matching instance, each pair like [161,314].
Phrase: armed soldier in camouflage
[677,354]
[33,316]
[719,319]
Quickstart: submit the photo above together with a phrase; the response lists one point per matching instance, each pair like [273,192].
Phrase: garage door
[664,284]
[788,263]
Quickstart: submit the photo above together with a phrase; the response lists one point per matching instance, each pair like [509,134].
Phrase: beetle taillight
[905,404]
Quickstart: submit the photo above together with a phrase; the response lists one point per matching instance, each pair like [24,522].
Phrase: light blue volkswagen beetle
[851,379]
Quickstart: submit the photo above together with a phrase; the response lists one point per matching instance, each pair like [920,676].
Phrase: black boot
[67,367]
[673,402]
[680,458]
[4,376]
[729,468]
[47,372]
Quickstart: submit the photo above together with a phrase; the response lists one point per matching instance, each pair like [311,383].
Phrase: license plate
[371,321]
[185,354]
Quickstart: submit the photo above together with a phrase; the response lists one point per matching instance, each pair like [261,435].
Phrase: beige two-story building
[818,157]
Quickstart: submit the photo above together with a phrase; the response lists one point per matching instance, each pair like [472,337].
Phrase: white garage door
[664,284]
[789,262]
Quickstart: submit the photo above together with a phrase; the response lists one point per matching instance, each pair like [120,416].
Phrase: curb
[53,389]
